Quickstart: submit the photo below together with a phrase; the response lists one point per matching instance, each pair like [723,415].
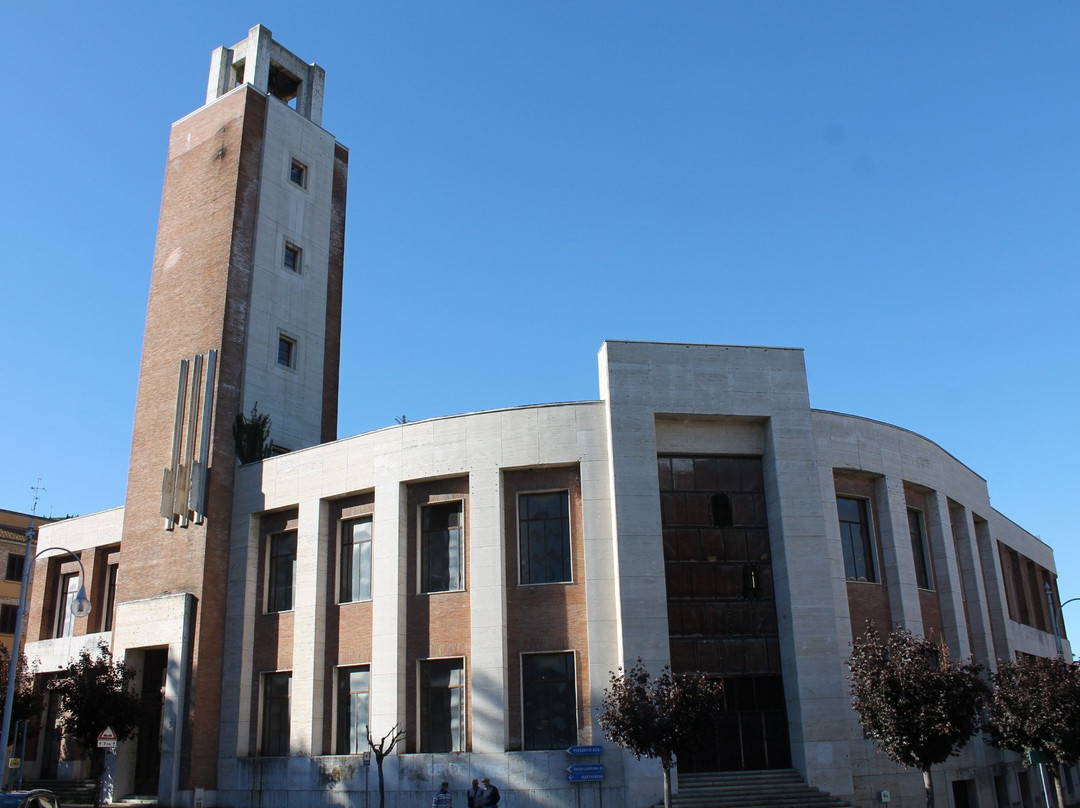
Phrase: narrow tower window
[286,352]
[298,173]
[292,257]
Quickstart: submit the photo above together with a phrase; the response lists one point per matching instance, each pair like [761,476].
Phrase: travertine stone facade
[473,580]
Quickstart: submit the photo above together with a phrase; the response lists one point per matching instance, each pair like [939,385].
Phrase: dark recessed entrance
[154,666]
[721,605]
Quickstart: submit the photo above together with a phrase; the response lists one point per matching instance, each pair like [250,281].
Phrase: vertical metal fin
[183,492]
[197,497]
[174,463]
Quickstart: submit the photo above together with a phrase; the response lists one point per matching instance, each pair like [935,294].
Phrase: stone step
[772,788]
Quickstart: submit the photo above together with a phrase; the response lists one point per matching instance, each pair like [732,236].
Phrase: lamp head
[80,607]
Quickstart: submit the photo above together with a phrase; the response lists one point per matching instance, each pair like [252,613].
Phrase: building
[13,527]
[472,580]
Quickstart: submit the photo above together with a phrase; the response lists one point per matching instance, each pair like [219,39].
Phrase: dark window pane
[282,572]
[353,687]
[275,717]
[549,701]
[442,547]
[544,537]
[856,539]
[442,706]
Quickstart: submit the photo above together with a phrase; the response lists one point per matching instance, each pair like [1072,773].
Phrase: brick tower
[245,307]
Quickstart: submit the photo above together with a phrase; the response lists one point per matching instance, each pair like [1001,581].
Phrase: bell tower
[244,307]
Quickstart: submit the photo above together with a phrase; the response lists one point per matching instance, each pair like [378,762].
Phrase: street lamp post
[80,607]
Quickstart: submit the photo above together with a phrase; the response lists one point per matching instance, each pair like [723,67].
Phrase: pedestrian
[472,794]
[489,794]
[443,797]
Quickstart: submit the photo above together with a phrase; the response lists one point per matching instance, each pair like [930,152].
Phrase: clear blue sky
[894,187]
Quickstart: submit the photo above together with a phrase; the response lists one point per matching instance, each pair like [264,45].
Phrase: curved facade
[471,581]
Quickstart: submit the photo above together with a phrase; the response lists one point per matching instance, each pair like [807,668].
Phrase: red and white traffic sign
[107,739]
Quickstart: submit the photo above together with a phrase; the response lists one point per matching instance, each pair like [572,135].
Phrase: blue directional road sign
[582,772]
[585,750]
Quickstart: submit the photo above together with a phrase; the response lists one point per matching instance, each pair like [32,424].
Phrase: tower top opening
[269,68]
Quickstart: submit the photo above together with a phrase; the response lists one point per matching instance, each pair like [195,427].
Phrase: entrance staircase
[772,788]
[68,792]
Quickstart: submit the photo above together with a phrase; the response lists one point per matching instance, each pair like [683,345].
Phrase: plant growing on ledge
[654,718]
[252,436]
[912,700]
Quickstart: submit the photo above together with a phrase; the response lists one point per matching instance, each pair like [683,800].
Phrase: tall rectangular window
[544,536]
[352,717]
[281,575]
[442,705]
[67,590]
[15,563]
[442,545]
[920,552]
[276,689]
[549,697]
[355,575]
[857,539]
[9,613]
[110,599]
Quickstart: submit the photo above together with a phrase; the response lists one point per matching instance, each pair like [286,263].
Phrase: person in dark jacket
[489,794]
[472,794]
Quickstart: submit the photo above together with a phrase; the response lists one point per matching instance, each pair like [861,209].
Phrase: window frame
[455,574]
[545,697]
[15,560]
[67,589]
[568,549]
[356,561]
[9,613]
[297,254]
[272,733]
[343,705]
[275,594]
[869,543]
[297,172]
[284,340]
[423,704]
[920,550]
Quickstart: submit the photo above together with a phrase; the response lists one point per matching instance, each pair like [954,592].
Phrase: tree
[380,750]
[917,704]
[252,435]
[655,718]
[95,693]
[1035,707]
[27,703]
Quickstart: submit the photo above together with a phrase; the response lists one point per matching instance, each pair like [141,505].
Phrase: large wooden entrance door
[721,606]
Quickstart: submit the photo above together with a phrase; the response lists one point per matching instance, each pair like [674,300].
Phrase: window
[919,550]
[442,705]
[110,599]
[355,561]
[550,702]
[441,547]
[352,710]
[15,564]
[276,688]
[544,532]
[282,572]
[292,257]
[856,538]
[298,173]
[8,614]
[286,351]
[67,591]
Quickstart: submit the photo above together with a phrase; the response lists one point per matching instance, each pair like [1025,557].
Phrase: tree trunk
[1055,778]
[667,787]
[928,786]
[382,790]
